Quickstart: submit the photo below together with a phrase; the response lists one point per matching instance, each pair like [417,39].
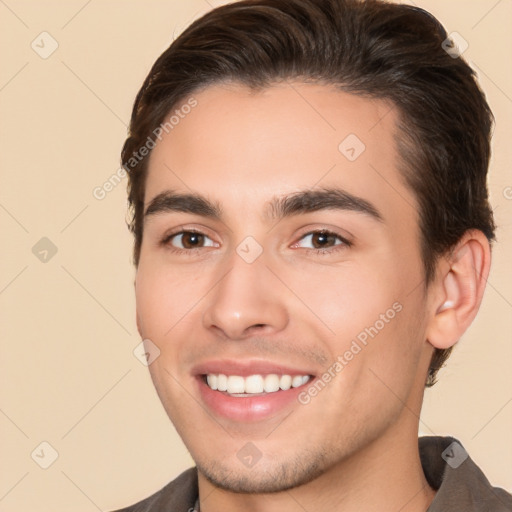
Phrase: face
[280,278]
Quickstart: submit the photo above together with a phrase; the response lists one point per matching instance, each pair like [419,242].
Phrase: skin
[295,304]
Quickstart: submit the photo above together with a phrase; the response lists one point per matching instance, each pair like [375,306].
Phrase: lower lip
[250,408]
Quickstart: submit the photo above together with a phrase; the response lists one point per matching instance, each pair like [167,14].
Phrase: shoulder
[177,496]
[459,482]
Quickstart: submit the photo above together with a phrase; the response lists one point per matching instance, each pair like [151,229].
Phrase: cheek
[165,298]
[167,301]
[388,364]
[373,321]
[347,299]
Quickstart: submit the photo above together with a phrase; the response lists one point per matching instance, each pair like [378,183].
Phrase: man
[312,237]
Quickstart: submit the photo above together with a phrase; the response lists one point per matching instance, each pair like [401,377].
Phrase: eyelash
[323,252]
[329,250]
[166,241]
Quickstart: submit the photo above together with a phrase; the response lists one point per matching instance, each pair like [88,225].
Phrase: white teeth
[236,384]
[271,383]
[254,384]
[296,381]
[222,382]
[212,381]
[285,382]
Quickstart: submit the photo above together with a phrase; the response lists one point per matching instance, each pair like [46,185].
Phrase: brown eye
[190,240]
[321,240]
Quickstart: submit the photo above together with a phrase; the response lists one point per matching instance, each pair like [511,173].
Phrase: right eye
[187,240]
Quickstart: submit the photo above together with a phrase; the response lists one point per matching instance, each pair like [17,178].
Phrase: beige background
[68,373]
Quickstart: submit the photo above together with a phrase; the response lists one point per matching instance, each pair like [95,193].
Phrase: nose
[247,300]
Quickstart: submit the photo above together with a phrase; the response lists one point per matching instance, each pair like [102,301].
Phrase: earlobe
[444,327]
[459,289]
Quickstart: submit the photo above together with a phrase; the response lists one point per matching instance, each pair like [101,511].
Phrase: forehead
[242,147]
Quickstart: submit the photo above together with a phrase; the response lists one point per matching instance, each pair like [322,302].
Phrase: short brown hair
[372,48]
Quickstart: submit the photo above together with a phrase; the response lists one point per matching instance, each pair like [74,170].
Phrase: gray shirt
[460,484]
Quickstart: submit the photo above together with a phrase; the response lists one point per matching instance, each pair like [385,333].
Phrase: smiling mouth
[253,385]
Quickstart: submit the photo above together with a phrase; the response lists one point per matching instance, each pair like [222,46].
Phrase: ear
[458,289]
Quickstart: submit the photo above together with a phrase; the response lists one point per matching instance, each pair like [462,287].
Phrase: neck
[386,475]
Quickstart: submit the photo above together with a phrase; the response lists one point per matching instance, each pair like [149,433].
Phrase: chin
[264,477]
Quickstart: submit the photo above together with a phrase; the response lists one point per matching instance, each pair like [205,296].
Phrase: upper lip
[244,368]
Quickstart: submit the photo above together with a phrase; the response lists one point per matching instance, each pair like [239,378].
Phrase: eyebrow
[170,201]
[307,201]
[301,202]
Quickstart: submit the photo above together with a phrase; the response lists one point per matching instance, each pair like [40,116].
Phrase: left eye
[321,240]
